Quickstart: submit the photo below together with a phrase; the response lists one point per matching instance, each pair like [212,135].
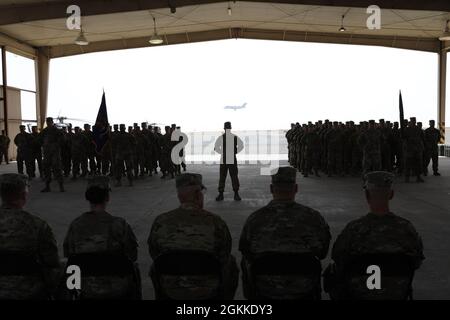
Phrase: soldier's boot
[306,174]
[317,173]
[61,187]
[172,175]
[419,179]
[436,174]
[237,197]
[47,188]
[220,197]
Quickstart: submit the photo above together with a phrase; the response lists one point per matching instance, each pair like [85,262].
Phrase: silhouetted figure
[98,232]
[228,145]
[190,231]
[27,242]
[288,232]
[378,237]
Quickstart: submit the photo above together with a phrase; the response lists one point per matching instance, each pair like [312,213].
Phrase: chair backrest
[188,274]
[276,275]
[188,262]
[278,263]
[102,264]
[19,264]
[396,275]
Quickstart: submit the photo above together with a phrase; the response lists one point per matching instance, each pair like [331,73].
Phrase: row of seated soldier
[282,245]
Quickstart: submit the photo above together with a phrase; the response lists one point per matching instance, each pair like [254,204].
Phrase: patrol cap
[122,125]
[227,125]
[13,182]
[412,119]
[189,180]
[143,124]
[49,119]
[284,175]
[101,182]
[22,126]
[372,121]
[135,124]
[381,121]
[378,180]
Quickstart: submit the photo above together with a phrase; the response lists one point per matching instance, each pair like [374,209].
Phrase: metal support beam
[45,10]
[42,66]
[16,46]
[4,87]
[442,90]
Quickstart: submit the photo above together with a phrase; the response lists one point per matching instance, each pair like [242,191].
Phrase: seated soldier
[21,232]
[190,227]
[97,231]
[283,226]
[378,232]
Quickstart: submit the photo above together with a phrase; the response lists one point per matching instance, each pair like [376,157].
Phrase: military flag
[101,127]
[402,116]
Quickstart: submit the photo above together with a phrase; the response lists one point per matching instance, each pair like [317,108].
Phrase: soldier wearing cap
[24,143]
[51,139]
[124,144]
[36,151]
[228,145]
[432,138]
[25,233]
[414,148]
[283,226]
[4,146]
[380,231]
[90,152]
[370,141]
[191,227]
[165,161]
[98,231]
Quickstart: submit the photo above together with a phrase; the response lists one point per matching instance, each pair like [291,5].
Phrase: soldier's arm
[418,255]
[152,240]
[340,252]
[225,239]
[130,242]
[240,144]
[48,250]
[218,145]
[324,238]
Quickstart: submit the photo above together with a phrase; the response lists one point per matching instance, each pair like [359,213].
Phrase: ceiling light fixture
[155,39]
[446,35]
[81,39]
[230,11]
[342,28]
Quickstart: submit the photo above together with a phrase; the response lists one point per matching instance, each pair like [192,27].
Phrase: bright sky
[282,82]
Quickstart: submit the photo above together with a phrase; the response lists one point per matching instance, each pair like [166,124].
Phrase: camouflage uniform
[24,142]
[79,145]
[283,227]
[370,142]
[414,145]
[23,232]
[124,145]
[311,144]
[191,228]
[51,138]
[4,145]
[36,153]
[432,138]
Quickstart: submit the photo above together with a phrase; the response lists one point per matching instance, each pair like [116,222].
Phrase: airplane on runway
[236,107]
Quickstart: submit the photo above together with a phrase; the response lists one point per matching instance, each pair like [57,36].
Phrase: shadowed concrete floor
[339,200]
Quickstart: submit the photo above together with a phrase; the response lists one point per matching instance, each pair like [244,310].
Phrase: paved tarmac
[340,200]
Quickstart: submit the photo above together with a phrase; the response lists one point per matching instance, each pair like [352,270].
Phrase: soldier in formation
[339,149]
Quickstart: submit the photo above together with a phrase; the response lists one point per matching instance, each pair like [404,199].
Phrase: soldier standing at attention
[228,145]
[284,225]
[380,231]
[432,138]
[190,227]
[4,146]
[23,141]
[90,152]
[370,142]
[79,145]
[36,151]
[51,138]
[124,146]
[25,233]
[413,141]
